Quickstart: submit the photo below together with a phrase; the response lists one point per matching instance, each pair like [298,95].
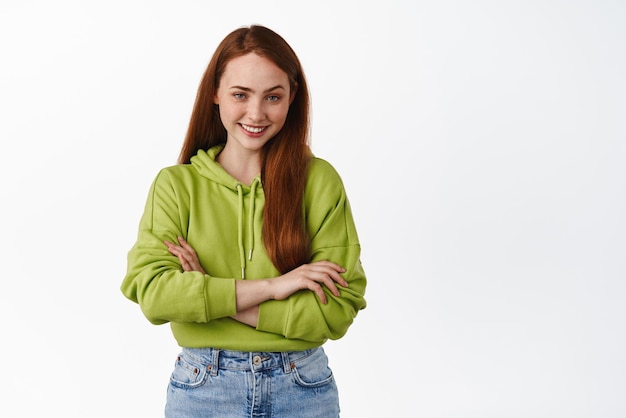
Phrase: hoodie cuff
[228,299]
[273,316]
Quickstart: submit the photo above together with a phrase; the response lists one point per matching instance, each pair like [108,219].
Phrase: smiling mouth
[253,129]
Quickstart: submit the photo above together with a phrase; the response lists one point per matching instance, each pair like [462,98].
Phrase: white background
[483,147]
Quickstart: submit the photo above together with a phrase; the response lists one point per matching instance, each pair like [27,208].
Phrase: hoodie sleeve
[334,238]
[154,277]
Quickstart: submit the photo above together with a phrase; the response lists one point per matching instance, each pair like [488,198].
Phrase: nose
[256,110]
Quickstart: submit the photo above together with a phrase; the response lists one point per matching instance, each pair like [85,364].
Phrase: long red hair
[285,157]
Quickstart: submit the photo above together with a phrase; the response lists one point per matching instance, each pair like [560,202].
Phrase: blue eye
[239,96]
[273,98]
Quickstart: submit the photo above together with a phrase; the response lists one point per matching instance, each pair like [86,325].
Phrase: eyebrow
[276,87]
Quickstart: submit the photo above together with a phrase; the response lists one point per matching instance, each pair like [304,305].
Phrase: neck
[243,167]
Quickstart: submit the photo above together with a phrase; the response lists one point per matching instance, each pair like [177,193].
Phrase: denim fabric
[208,382]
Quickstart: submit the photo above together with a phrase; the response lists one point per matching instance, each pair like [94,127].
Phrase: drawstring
[242,257]
[242,252]
[251,216]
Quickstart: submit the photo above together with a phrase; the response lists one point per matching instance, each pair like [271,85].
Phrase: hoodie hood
[205,162]
[207,166]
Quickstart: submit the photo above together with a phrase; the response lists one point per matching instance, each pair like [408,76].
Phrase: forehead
[252,70]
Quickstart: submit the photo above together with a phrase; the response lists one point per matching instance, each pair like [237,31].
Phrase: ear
[215,100]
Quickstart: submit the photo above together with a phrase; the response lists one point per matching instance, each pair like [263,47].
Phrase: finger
[323,278]
[192,264]
[185,264]
[174,250]
[180,252]
[334,276]
[330,264]
[330,284]
[327,266]
[186,246]
[319,291]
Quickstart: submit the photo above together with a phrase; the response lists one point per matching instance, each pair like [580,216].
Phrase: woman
[248,247]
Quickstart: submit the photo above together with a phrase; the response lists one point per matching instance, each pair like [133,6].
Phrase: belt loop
[215,362]
[286,362]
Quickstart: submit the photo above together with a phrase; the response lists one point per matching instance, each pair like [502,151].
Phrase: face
[253,97]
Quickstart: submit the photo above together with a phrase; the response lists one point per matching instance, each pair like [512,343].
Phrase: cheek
[279,113]
[228,113]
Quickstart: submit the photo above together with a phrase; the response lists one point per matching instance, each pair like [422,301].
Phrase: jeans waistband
[246,360]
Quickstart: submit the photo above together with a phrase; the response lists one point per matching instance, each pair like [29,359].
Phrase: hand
[309,276]
[186,254]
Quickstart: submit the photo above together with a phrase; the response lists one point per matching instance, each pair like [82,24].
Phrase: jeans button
[256,360]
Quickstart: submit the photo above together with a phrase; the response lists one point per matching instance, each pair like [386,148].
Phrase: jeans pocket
[313,371]
[188,374]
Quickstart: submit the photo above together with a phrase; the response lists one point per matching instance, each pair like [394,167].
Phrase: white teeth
[252,129]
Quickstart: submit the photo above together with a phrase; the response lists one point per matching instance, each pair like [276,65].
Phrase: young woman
[248,247]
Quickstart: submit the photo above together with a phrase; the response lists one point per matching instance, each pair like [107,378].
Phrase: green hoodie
[222,220]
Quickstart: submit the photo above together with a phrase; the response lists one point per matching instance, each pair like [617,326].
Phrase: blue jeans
[208,382]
